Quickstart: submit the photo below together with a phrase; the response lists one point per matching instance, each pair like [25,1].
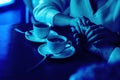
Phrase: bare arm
[62,20]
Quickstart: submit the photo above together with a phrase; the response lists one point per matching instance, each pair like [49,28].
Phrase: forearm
[62,20]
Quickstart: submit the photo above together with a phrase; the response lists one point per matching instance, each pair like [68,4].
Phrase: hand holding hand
[100,36]
[80,24]
[101,40]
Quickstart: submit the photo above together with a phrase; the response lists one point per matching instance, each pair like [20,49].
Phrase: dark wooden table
[17,55]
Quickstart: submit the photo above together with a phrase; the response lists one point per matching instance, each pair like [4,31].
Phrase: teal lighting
[6,2]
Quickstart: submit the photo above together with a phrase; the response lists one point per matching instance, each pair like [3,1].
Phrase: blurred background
[12,12]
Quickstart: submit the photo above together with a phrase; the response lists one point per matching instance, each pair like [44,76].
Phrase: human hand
[100,36]
[100,40]
[80,24]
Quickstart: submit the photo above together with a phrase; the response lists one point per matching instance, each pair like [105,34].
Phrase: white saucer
[29,36]
[43,50]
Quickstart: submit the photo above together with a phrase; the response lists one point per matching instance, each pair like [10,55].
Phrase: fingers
[89,29]
[86,21]
[95,38]
[92,30]
[77,41]
[75,25]
[73,29]
[100,43]
[79,27]
[97,35]
[76,35]
[82,24]
[77,38]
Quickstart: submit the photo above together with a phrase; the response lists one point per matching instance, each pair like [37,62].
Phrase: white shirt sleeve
[115,55]
[47,9]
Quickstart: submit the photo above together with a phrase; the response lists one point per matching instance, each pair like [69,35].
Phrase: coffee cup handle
[68,44]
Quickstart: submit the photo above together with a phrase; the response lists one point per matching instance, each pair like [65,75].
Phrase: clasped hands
[97,38]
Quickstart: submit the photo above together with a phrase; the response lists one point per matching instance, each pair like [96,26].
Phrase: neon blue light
[6,2]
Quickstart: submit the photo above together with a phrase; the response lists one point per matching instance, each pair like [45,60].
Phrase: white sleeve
[47,9]
[115,55]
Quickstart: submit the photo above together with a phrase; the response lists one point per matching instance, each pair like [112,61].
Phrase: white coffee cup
[41,30]
[58,43]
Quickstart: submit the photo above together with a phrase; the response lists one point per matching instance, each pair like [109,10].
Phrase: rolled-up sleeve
[47,9]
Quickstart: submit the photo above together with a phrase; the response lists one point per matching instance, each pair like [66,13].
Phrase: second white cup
[58,43]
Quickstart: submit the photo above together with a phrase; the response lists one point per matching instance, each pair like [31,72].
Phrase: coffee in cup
[41,30]
[57,43]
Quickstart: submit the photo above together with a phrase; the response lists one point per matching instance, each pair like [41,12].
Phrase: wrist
[73,21]
[62,20]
